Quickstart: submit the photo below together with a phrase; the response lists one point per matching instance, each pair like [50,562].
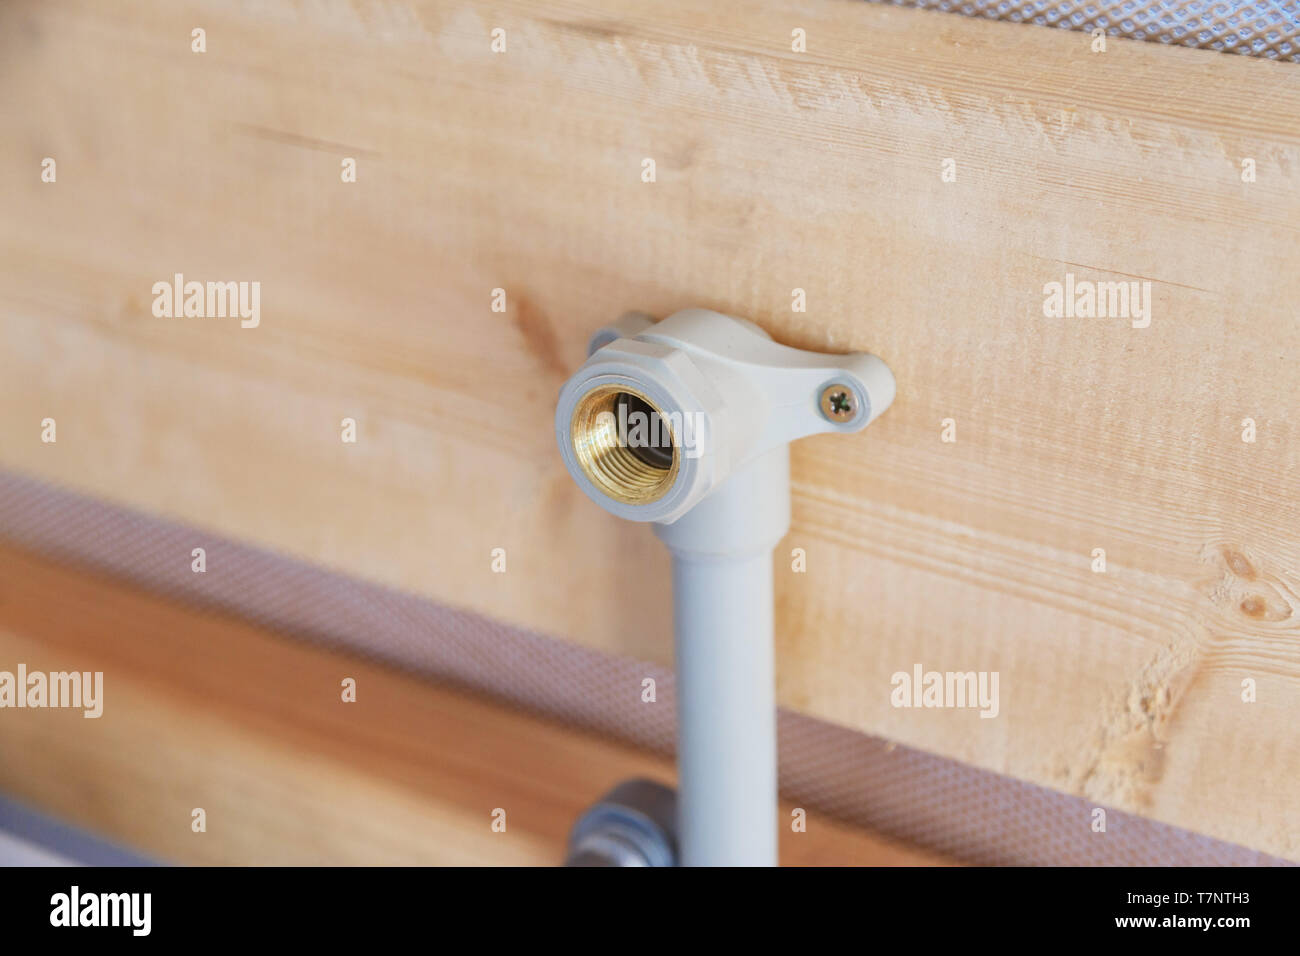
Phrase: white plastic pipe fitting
[686,423]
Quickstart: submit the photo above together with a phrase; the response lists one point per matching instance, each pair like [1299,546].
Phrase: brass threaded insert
[633,476]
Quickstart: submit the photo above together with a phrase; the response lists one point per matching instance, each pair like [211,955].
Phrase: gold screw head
[839,403]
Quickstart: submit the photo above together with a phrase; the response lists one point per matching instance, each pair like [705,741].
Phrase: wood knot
[1239,565]
[1261,608]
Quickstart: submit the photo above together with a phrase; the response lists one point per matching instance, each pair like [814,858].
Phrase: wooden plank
[200,710]
[775,170]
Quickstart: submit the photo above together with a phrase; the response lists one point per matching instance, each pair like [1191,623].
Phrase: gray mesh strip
[1269,28]
[913,797]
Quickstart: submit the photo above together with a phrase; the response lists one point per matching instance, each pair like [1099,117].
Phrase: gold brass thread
[608,463]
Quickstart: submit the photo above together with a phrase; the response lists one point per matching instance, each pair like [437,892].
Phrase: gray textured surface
[1269,28]
[30,838]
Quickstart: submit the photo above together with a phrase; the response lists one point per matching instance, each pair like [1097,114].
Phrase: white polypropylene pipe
[726,682]
[726,711]
[734,400]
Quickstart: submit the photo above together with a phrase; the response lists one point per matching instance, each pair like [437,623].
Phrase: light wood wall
[200,711]
[775,170]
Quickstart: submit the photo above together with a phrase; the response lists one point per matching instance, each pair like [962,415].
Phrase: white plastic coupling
[724,392]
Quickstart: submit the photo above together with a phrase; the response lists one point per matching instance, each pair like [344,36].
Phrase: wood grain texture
[775,171]
[203,711]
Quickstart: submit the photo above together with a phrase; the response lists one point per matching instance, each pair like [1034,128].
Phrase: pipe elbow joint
[663,414]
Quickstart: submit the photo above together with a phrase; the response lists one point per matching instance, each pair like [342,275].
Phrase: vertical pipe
[726,710]
[734,400]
